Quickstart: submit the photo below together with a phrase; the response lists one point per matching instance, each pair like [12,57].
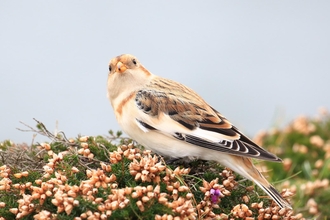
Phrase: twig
[59,137]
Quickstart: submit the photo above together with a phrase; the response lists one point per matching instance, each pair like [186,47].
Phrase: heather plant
[304,146]
[112,178]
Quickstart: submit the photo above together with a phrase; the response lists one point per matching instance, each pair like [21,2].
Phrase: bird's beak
[121,67]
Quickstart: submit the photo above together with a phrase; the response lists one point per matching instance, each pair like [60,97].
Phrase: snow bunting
[172,120]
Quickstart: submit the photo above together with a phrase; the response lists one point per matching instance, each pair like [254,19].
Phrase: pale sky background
[260,63]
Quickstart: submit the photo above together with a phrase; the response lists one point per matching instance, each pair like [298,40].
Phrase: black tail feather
[276,196]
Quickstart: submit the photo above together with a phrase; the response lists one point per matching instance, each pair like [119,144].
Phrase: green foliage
[305,147]
[11,201]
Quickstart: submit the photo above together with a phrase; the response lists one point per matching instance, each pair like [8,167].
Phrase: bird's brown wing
[174,105]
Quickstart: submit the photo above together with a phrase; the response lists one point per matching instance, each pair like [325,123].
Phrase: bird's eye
[134,61]
[109,68]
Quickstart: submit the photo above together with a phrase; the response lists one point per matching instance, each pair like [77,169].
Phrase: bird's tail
[245,167]
[275,195]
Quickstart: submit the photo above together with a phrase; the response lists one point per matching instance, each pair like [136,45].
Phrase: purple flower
[215,194]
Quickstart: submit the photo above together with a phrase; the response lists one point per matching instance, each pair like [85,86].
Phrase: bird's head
[126,74]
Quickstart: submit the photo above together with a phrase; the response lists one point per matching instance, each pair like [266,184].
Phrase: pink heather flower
[215,194]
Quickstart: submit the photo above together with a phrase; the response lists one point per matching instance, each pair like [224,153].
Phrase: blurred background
[259,63]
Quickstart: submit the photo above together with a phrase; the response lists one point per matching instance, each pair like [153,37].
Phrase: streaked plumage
[172,120]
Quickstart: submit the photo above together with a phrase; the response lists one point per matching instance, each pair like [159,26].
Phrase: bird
[172,120]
